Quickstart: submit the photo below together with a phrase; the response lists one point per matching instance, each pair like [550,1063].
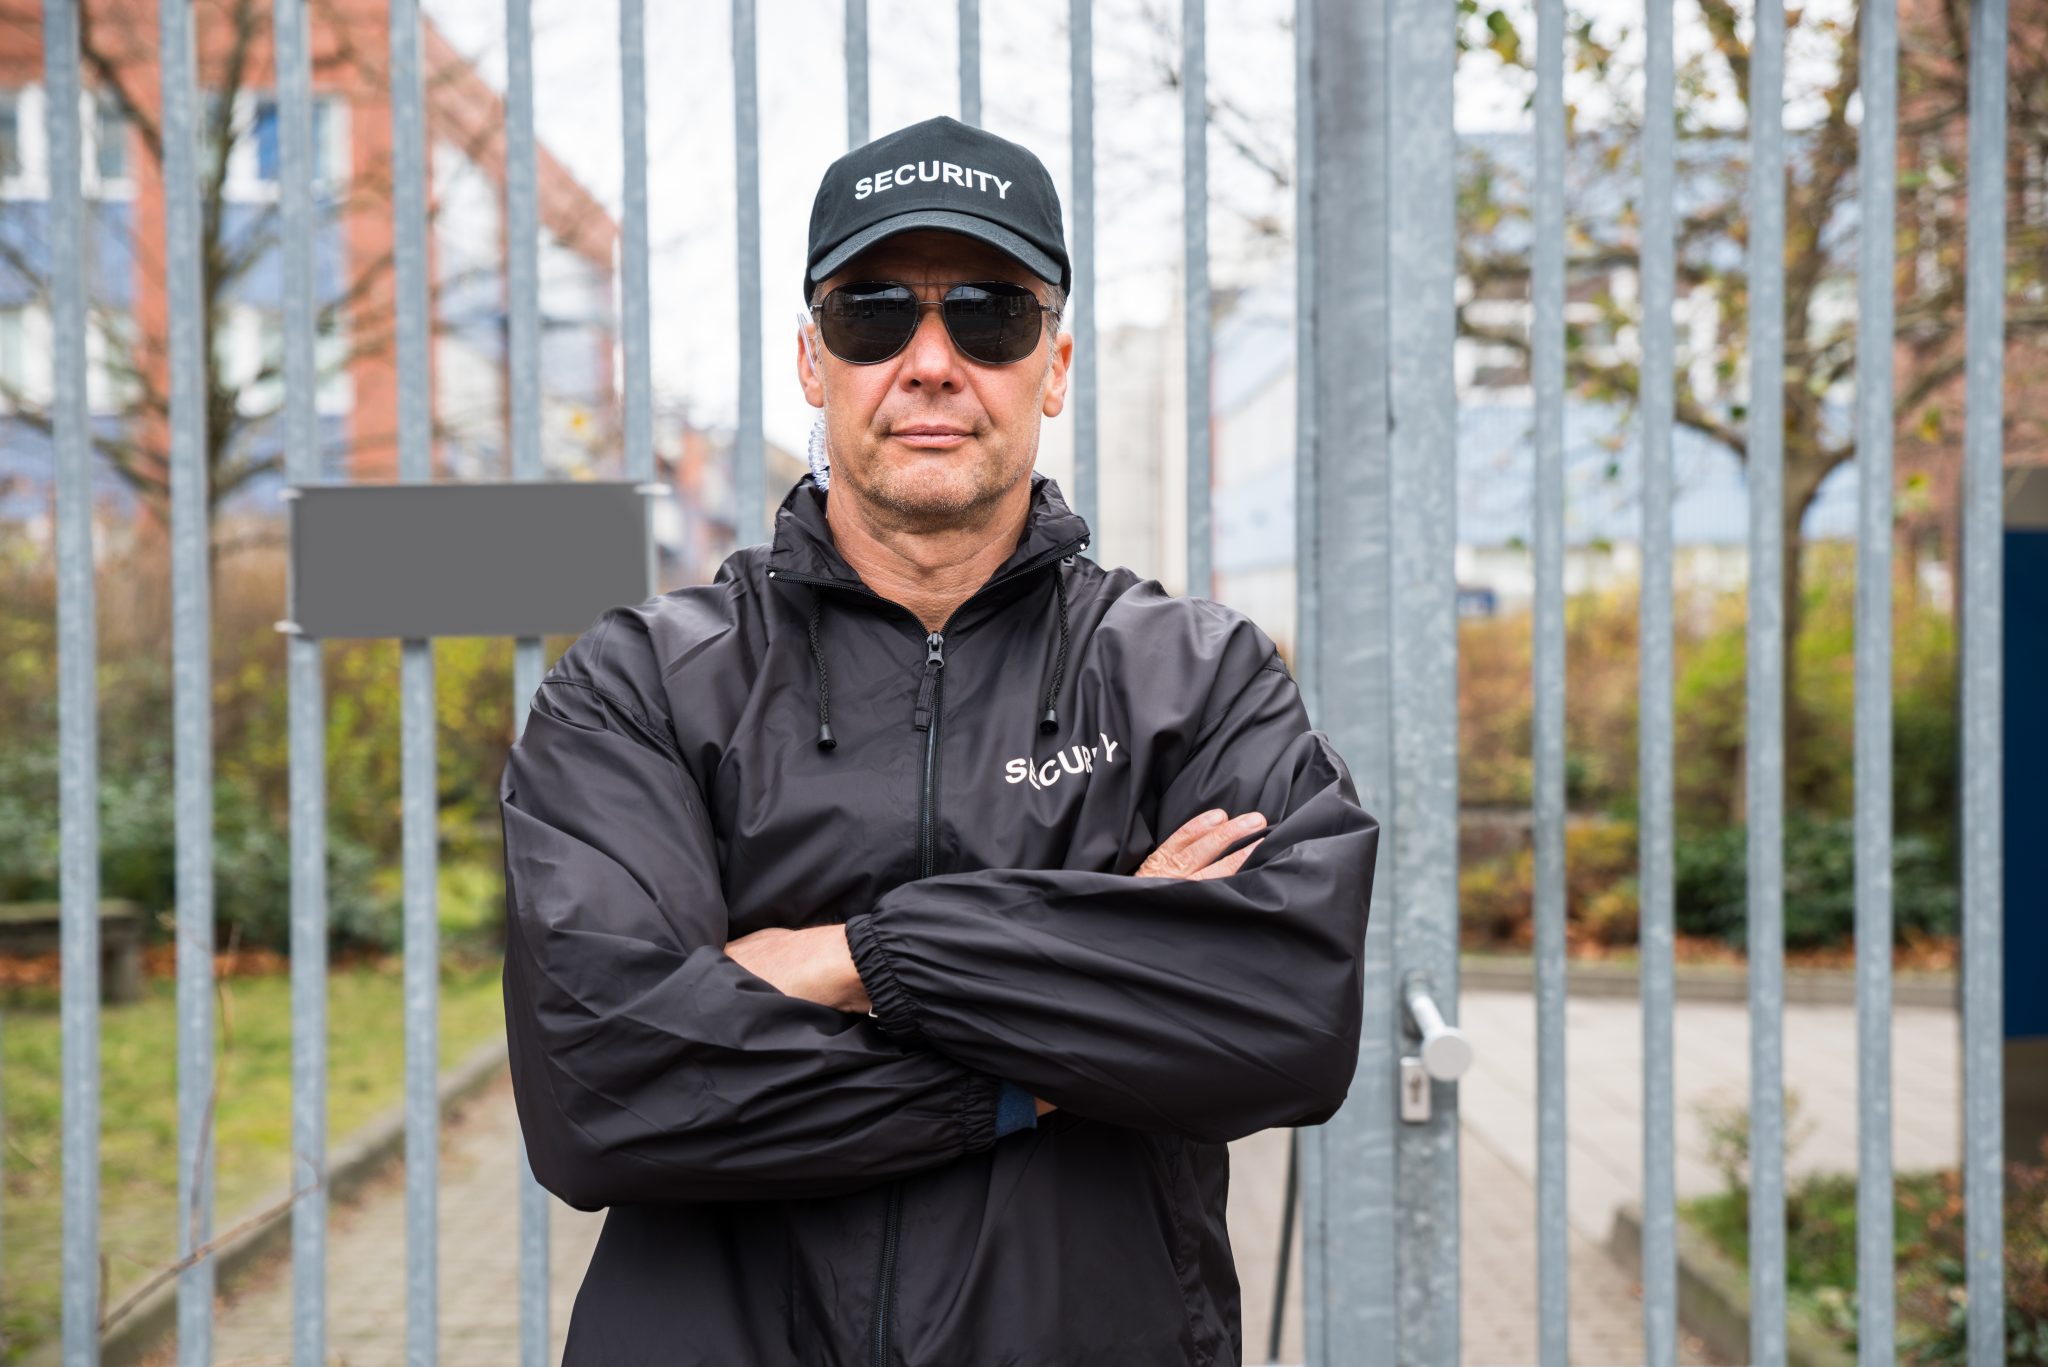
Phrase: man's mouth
[932,435]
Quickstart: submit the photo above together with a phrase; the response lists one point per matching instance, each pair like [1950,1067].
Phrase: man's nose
[929,359]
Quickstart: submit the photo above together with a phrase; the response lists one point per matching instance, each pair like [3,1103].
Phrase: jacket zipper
[926,719]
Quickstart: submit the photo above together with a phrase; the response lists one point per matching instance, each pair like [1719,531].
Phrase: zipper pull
[934,661]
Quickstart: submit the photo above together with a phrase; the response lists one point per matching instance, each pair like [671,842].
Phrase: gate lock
[1444,1051]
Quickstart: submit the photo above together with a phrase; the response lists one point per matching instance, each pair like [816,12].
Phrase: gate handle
[1446,1052]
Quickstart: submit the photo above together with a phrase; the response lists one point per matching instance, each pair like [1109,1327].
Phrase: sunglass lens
[866,323]
[993,323]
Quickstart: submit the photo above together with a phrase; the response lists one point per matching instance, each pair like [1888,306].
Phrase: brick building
[357,399]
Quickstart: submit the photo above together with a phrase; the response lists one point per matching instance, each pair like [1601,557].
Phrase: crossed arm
[815,964]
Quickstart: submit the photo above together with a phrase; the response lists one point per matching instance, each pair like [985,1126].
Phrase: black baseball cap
[941,173]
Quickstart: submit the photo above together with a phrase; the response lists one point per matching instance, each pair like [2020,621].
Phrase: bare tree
[1603,242]
[118,41]
[1821,186]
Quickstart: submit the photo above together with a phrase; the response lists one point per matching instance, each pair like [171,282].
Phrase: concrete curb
[1713,1297]
[1808,987]
[351,1163]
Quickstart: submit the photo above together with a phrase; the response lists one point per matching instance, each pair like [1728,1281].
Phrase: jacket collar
[803,545]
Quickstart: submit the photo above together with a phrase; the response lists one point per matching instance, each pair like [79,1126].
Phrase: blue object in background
[2026,753]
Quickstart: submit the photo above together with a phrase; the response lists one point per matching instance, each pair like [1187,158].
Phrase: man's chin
[936,486]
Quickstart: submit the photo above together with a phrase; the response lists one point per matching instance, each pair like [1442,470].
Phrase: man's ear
[1055,399]
[807,373]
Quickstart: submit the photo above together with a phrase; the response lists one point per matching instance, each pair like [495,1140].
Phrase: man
[841,964]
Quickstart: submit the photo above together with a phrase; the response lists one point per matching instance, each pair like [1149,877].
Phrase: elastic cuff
[1016,1109]
[976,1112]
[893,1011]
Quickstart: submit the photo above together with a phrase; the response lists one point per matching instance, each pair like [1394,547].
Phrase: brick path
[479,1215]
[479,1262]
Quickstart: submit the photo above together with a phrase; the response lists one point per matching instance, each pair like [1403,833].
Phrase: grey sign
[469,559]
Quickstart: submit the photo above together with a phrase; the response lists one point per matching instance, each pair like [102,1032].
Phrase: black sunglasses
[990,321]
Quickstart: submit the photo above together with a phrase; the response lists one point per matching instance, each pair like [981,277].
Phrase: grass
[139,1112]
[1820,1240]
[1927,1219]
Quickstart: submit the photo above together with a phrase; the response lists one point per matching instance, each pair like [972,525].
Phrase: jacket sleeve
[647,1064]
[1215,1007]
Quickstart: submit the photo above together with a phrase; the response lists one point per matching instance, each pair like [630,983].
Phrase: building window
[24,345]
[110,138]
[330,141]
[13,357]
[336,392]
[111,384]
[265,132]
[10,135]
[256,163]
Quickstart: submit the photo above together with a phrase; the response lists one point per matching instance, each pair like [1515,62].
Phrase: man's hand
[1188,851]
[813,963]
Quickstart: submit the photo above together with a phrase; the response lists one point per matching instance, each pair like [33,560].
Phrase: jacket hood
[803,552]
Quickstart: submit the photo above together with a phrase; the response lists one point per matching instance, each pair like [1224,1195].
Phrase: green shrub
[1711,885]
[138,853]
[474,703]
[1929,1229]
[1710,699]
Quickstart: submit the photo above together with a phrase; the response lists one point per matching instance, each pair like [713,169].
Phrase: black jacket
[791,1184]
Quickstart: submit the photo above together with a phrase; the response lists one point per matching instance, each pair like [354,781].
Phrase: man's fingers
[1213,842]
[1191,830]
[1230,864]
[1188,850]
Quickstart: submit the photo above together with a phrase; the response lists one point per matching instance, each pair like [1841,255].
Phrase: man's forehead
[930,254]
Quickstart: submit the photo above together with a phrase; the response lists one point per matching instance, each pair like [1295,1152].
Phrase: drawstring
[1050,722]
[1047,724]
[825,739]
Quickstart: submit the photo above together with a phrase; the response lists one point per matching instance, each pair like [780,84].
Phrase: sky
[914,75]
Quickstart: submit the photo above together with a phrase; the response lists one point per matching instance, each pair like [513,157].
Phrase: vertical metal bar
[1307,556]
[1422,224]
[77,699]
[416,700]
[1983,685]
[747,455]
[1194,115]
[534,1338]
[1765,683]
[522,280]
[1547,287]
[1348,1163]
[856,72]
[191,675]
[522,241]
[1876,175]
[1313,1144]
[970,62]
[1654,707]
[1081,304]
[422,1119]
[636,317]
[307,703]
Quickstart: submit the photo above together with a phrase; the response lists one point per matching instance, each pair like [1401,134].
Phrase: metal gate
[1376,633]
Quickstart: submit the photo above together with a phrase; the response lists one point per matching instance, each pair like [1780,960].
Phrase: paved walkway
[479,1262]
[1604,1090]
[479,1217]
